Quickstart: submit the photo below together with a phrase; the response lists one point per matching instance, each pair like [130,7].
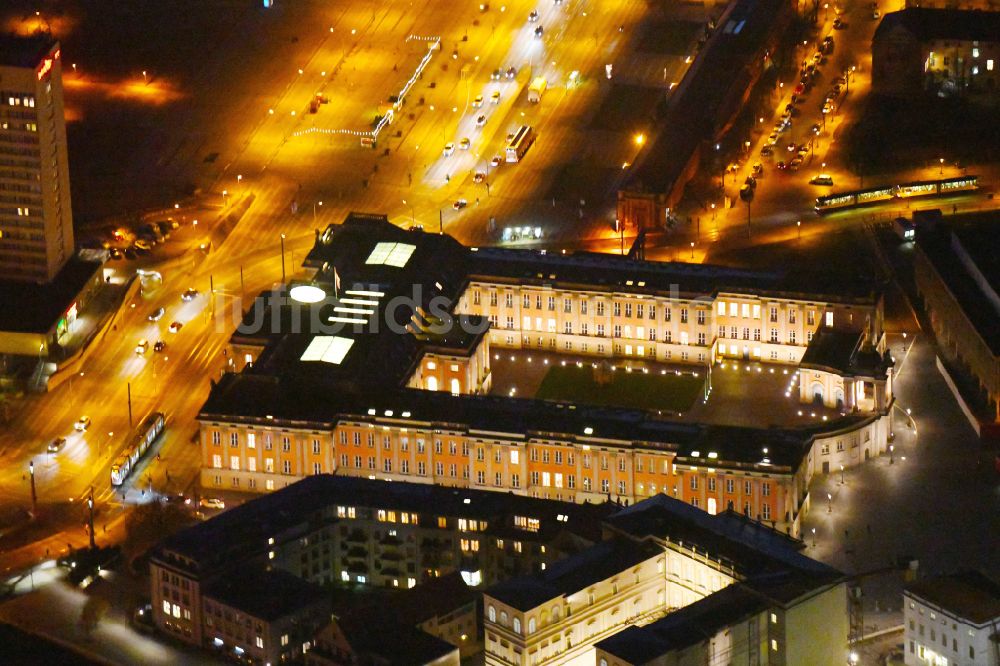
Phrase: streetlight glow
[640,139]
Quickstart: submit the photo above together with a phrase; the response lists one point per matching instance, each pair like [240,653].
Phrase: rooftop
[970,595]
[962,255]
[842,351]
[19,51]
[267,595]
[767,562]
[952,24]
[243,531]
[577,572]
[35,308]
[392,643]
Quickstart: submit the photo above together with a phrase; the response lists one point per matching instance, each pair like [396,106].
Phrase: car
[164,227]
[496,161]
[815,129]
[838,24]
[821,179]
[495,76]
[478,102]
[495,97]
[175,326]
[746,193]
[772,139]
[449,148]
[460,204]
[790,109]
[189,294]
[82,424]
[510,73]
[875,15]
[142,245]
[115,253]
[839,81]
[803,150]
[750,182]
[757,170]
[539,31]
[142,347]
[533,16]
[795,163]
[766,151]
[56,445]
[779,129]
[828,107]
[799,89]
[159,346]
[781,166]
[464,144]
[212,503]
[791,147]
[130,254]
[176,499]
[478,177]
[156,314]
[835,89]
[480,121]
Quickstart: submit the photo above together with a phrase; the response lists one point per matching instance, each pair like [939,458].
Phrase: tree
[602,374]
[148,524]
[93,612]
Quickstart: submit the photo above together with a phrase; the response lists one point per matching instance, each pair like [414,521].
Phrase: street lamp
[316,203]
[282,257]
[892,460]
[224,193]
[941,168]
[841,475]
[814,537]
[798,228]
[829,503]
[34,496]
[713,212]
[145,79]
[692,250]
[640,139]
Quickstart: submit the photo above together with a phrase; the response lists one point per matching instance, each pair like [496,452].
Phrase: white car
[82,424]
[141,348]
[496,161]
[478,102]
[212,503]
[464,144]
[480,121]
[449,148]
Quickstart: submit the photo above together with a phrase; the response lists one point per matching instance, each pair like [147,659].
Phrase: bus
[520,143]
[144,437]
[921,188]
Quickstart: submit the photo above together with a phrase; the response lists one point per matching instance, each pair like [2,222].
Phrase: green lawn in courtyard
[653,391]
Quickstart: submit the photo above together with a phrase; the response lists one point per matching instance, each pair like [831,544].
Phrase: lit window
[166,607]
[829,318]
[989,65]
[260,642]
[774,644]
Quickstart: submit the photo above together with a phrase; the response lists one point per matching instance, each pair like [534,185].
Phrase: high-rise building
[36,222]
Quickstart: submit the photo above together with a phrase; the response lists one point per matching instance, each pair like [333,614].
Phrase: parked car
[795,163]
[212,503]
[757,170]
[766,151]
[56,445]
[838,24]
[82,424]
[822,179]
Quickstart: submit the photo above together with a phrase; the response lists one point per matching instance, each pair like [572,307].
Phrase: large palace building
[381,367]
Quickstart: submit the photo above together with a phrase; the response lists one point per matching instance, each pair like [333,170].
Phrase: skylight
[391,254]
[328,349]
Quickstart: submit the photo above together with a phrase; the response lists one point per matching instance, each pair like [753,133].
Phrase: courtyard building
[400,388]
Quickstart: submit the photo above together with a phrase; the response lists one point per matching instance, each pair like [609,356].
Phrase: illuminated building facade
[951,620]
[665,564]
[943,51]
[36,224]
[365,401]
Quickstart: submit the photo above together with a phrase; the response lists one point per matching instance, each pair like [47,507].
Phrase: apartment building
[951,620]
[36,223]
[658,557]
[946,51]
[327,529]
